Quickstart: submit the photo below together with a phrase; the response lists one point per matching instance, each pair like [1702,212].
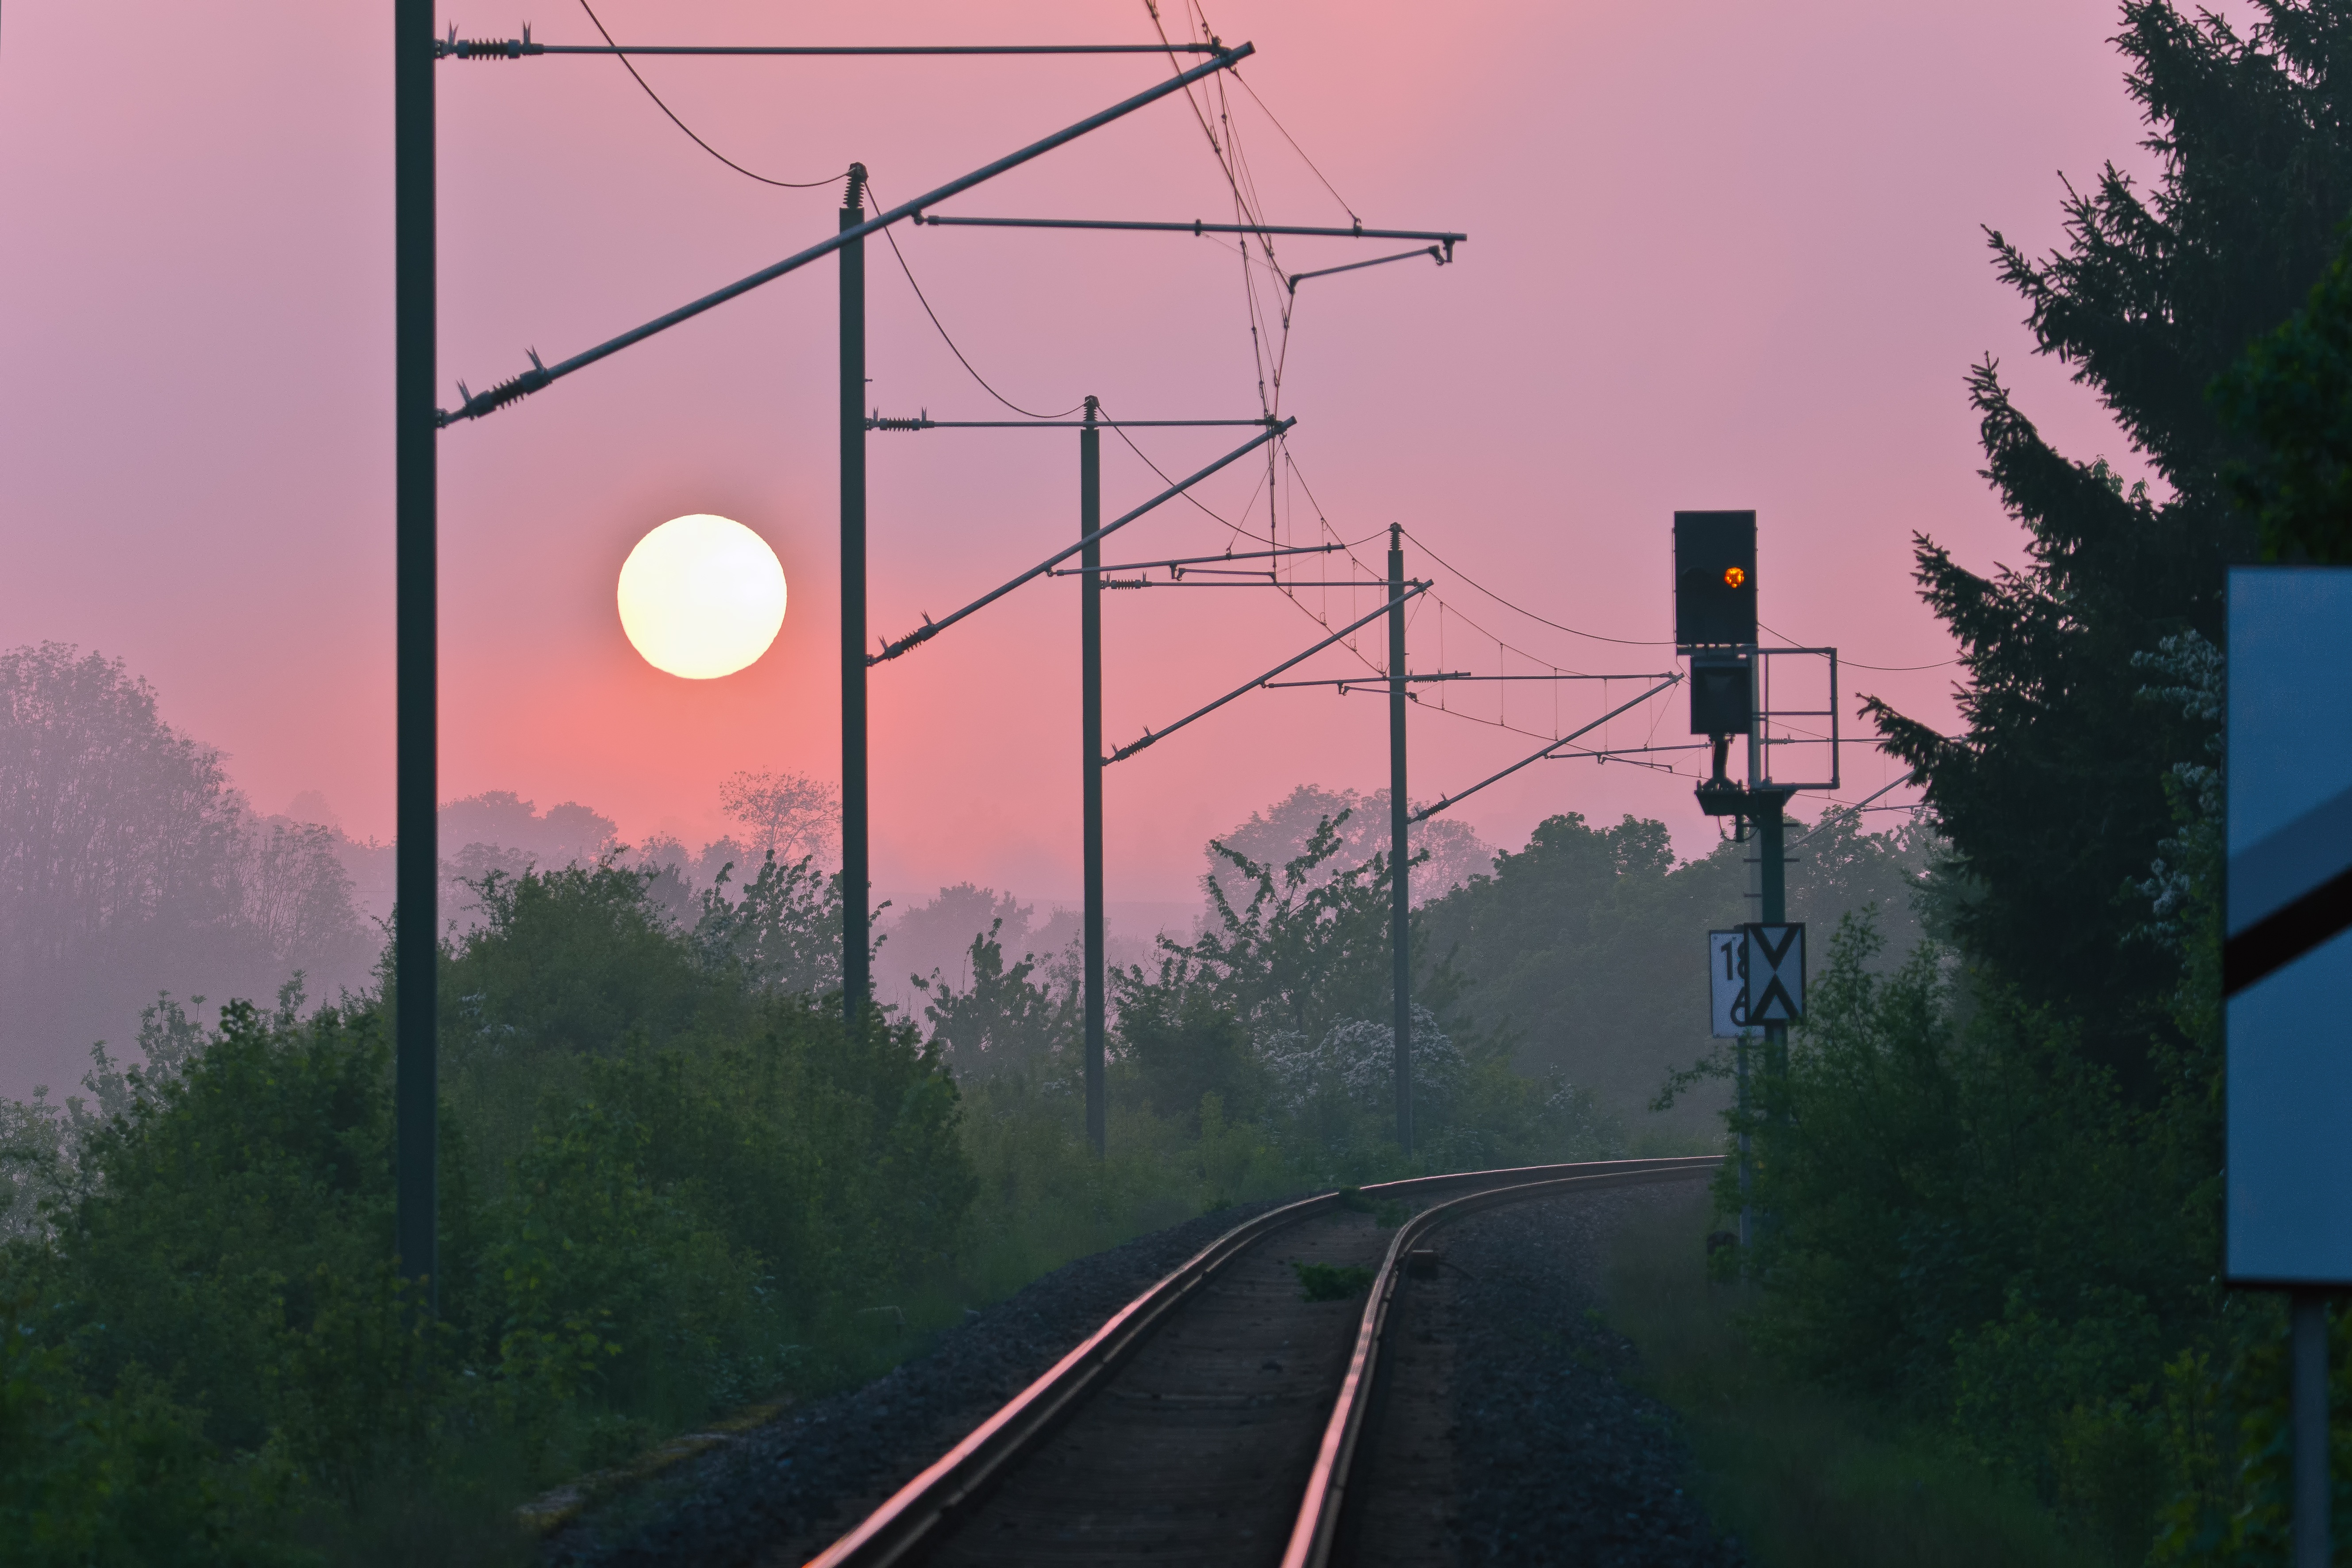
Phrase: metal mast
[1091,760]
[1400,861]
[416,868]
[857,983]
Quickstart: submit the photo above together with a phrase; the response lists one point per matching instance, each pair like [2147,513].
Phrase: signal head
[1714,579]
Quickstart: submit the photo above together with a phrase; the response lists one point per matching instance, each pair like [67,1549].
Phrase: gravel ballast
[1552,1455]
[1556,1459]
[784,1491]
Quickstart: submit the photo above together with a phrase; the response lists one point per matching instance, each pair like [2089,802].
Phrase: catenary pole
[415,660]
[1091,762]
[1400,861]
[1771,862]
[856,980]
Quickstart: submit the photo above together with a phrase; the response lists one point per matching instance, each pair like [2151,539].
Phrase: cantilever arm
[1429,811]
[931,629]
[1447,239]
[1249,686]
[1295,278]
[540,375]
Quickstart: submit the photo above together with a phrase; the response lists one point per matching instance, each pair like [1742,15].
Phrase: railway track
[1219,1416]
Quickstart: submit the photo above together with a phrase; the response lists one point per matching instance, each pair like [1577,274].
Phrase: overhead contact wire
[673,119]
[948,339]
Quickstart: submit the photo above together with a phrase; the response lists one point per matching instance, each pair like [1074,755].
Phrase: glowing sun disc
[701,596]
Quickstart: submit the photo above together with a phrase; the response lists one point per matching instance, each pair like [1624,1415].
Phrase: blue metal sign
[2286,957]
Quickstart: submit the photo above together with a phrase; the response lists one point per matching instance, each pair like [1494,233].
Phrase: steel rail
[917,1517]
[1321,1512]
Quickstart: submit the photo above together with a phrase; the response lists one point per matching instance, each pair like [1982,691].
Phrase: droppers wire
[947,339]
[673,119]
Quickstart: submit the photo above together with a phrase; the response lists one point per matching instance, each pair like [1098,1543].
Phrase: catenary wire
[947,339]
[1294,147]
[1234,168]
[673,119]
[1883,668]
[1473,582]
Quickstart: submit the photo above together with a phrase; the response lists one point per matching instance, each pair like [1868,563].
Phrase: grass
[1331,1281]
[1805,1477]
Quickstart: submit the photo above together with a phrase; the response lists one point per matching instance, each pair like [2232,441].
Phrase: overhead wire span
[1861,805]
[1286,136]
[622,57]
[947,339]
[931,629]
[1518,610]
[1443,802]
[1881,668]
[541,376]
[1153,737]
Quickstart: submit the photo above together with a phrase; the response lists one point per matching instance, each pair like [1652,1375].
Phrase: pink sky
[1722,254]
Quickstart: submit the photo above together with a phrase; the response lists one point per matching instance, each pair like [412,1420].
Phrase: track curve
[1217,1417]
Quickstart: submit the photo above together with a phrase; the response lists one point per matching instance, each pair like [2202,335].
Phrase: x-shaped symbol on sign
[1776,973]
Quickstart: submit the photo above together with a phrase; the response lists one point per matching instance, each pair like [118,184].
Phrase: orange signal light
[1733,577]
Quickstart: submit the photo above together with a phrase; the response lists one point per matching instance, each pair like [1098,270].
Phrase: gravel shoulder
[785,1490]
[1556,1459]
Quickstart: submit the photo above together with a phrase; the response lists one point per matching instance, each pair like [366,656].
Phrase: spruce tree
[2053,797]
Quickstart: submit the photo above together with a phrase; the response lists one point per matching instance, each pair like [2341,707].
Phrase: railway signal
[1716,627]
[1714,579]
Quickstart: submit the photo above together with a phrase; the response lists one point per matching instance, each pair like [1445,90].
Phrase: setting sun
[701,596]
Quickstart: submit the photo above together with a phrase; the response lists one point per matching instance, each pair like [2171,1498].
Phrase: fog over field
[137,870]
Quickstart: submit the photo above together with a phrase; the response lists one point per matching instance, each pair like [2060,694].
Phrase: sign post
[2286,962]
[1727,975]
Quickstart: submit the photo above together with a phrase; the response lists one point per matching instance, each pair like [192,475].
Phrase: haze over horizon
[1717,257]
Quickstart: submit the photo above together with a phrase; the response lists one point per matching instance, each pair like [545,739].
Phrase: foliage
[695,1181]
[126,1480]
[1331,1281]
[1970,1224]
[788,816]
[1280,1010]
[128,864]
[1446,851]
[783,934]
[1808,1477]
[1988,1175]
[2290,395]
[2054,799]
[1584,945]
[1003,1023]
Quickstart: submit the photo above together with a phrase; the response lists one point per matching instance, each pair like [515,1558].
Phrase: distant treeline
[673,1180]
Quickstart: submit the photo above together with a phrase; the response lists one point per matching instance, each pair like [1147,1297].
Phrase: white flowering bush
[1356,1062]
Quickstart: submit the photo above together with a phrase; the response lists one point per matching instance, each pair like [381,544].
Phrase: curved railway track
[1220,1415]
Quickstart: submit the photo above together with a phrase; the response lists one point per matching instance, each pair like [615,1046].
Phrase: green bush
[690,1183]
